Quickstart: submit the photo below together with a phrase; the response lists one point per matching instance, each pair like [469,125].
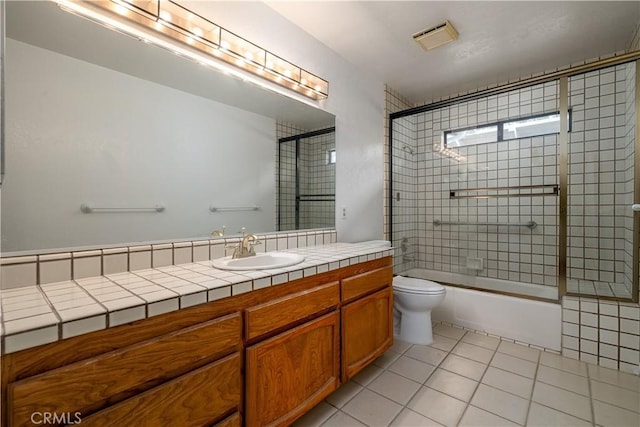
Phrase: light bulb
[224,45]
[303,81]
[166,16]
[197,31]
[121,10]
[249,56]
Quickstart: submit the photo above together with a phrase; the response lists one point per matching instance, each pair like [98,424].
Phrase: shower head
[408,149]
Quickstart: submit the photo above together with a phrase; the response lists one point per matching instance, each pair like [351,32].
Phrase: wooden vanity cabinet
[289,373]
[367,319]
[160,380]
[260,358]
[292,372]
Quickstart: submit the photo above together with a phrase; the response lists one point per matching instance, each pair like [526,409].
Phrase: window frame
[500,126]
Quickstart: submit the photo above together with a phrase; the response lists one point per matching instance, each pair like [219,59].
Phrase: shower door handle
[635,207]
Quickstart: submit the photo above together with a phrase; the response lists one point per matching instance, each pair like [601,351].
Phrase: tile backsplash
[42,269]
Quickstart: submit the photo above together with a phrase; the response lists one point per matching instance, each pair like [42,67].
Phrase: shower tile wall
[394,102]
[508,252]
[286,178]
[601,182]
[317,177]
[405,196]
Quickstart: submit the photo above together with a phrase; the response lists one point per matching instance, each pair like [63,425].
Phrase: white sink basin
[261,261]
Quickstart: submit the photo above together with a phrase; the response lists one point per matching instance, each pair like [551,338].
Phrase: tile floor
[468,379]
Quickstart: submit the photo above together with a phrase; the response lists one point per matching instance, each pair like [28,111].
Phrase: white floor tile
[563,400]
[509,382]
[448,331]
[515,365]
[344,393]
[372,409]
[443,343]
[521,351]
[395,387]
[476,417]
[473,352]
[426,354]
[542,416]
[340,419]
[614,416]
[463,366]
[617,396]
[438,406]
[316,416]
[566,380]
[485,341]
[563,363]
[503,404]
[408,418]
[412,369]
[454,385]
[367,375]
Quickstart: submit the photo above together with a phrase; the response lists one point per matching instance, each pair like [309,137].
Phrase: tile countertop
[36,315]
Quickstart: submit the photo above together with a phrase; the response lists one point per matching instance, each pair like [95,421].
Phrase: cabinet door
[367,331]
[291,372]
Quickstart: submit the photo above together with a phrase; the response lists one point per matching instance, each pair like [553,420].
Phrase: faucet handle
[219,233]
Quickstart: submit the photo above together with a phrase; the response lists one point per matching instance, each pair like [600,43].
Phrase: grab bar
[233,208]
[513,191]
[530,224]
[86,208]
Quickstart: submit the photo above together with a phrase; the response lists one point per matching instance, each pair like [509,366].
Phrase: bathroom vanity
[263,357]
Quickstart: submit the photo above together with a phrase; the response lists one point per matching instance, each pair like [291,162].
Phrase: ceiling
[499,41]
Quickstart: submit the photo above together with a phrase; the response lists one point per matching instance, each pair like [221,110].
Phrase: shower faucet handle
[635,207]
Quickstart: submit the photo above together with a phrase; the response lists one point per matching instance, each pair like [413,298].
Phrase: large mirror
[110,140]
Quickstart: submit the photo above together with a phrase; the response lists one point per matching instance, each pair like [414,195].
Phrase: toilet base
[416,328]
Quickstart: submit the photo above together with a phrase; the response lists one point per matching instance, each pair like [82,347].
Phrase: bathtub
[530,321]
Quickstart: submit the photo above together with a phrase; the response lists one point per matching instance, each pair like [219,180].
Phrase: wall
[404,187]
[102,137]
[601,175]
[355,98]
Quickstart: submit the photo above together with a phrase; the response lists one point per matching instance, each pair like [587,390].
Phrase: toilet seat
[417,286]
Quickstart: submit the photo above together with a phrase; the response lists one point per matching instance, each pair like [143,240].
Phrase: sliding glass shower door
[306,180]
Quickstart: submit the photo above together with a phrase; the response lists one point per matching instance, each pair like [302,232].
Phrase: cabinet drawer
[91,384]
[194,399]
[287,310]
[356,286]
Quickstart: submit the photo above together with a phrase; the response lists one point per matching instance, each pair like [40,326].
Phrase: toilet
[414,299]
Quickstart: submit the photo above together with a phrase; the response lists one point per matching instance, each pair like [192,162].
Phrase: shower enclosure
[523,189]
[306,180]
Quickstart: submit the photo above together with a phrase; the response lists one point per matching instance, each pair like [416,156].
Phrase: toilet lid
[417,286]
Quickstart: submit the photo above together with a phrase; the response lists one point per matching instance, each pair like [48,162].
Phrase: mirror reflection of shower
[306,179]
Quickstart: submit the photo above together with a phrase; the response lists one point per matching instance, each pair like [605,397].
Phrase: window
[331,156]
[544,124]
[480,135]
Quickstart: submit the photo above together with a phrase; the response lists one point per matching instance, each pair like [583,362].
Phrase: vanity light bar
[174,27]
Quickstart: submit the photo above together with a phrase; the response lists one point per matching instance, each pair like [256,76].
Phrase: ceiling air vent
[436,36]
